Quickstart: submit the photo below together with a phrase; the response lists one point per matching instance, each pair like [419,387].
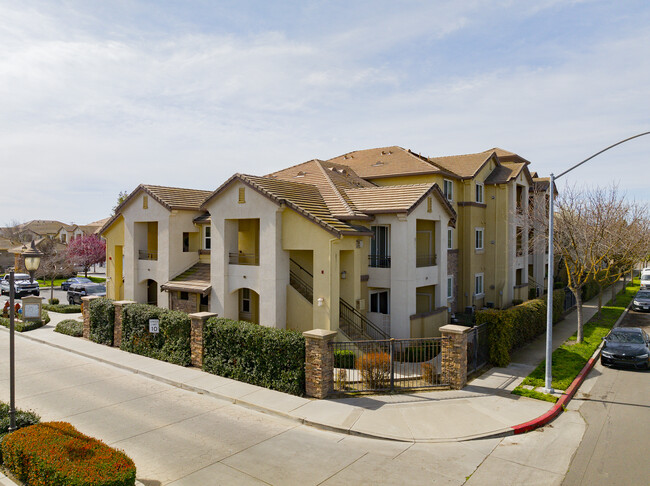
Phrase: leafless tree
[54,263]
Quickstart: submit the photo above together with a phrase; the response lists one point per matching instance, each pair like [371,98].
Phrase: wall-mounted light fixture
[344,275]
[320,301]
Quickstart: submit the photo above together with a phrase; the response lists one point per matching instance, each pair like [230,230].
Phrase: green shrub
[55,453]
[417,354]
[102,320]
[70,327]
[263,356]
[53,301]
[24,326]
[517,301]
[512,328]
[171,344]
[63,308]
[344,358]
[23,418]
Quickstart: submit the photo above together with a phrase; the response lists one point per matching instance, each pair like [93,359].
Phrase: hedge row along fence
[511,328]
[57,454]
[263,356]
[102,321]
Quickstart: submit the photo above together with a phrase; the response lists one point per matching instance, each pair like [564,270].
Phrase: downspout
[330,244]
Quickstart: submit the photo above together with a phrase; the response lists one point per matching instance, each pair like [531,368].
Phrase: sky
[98,97]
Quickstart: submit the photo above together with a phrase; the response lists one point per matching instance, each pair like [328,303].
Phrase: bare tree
[54,263]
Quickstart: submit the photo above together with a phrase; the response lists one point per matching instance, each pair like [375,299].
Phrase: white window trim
[450,193]
[450,238]
[379,291]
[206,238]
[450,287]
[482,186]
[482,276]
[476,232]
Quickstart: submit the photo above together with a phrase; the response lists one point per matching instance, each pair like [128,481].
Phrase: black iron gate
[477,347]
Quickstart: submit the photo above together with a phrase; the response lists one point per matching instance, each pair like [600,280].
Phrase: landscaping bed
[570,358]
[23,326]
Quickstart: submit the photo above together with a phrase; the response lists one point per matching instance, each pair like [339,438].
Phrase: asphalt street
[617,413]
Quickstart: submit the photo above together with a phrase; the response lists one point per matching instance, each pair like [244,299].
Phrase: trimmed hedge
[23,326]
[23,418]
[70,327]
[63,308]
[511,328]
[344,358]
[57,454]
[102,320]
[263,356]
[171,344]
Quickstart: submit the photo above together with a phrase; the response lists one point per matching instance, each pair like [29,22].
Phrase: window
[450,238]
[448,189]
[246,301]
[478,284]
[479,238]
[207,240]
[184,296]
[186,242]
[380,247]
[519,276]
[479,193]
[450,287]
[379,301]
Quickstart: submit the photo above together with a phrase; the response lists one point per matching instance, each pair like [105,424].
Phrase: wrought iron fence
[478,351]
[379,261]
[243,258]
[388,365]
[569,299]
[426,260]
[147,255]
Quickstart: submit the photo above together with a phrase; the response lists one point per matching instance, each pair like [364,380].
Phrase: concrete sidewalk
[484,408]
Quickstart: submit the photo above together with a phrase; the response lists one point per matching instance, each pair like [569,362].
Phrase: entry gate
[477,347]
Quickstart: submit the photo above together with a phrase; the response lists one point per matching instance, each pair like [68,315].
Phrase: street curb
[564,400]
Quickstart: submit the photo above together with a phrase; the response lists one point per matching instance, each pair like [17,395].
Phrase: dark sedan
[74,280]
[641,300]
[77,291]
[627,346]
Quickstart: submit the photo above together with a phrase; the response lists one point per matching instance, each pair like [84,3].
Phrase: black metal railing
[147,255]
[477,347]
[356,326]
[388,365]
[302,280]
[239,258]
[379,261]
[426,260]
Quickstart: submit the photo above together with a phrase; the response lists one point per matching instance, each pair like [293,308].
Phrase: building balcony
[235,258]
[147,255]
[379,261]
[426,260]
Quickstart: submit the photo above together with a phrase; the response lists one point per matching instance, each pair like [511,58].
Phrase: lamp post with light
[548,388]
[32,259]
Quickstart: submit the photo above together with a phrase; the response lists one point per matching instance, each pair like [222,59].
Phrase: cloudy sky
[98,97]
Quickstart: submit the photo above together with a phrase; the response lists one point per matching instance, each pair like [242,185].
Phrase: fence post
[117,326]
[319,363]
[196,336]
[85,311]
[392,365]
[454,355]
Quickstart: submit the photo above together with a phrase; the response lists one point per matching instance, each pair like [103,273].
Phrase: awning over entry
[195,279]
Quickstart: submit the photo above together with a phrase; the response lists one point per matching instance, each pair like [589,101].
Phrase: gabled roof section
[387,162]
[505,156]
[305,199]
[506,171]
[465,166]
[42,226]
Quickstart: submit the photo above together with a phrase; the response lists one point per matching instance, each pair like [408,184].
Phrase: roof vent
[386,152]
[378,163]
[301,174]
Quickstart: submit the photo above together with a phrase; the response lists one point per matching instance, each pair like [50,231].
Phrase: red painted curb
[561,403]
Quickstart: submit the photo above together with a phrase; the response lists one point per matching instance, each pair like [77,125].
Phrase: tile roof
[465,166]
[386,162]
[176,197]
[388,199]
[195,279]
[42,226]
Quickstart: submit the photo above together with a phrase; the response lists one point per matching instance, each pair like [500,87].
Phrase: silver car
[23,285]
[645,281]
[641,300]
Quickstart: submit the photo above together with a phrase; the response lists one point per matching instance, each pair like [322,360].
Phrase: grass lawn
[569,359]
[58,281]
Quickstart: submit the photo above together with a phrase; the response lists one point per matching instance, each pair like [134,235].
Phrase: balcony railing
[379,261]
[426,260]
[243,259]
[147,255]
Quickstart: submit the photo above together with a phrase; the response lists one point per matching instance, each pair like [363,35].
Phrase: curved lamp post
[548,388]
[32,262]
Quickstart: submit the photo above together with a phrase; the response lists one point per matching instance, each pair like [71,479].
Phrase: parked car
[77,291]
[641,300]
[628,346]
[75,280]
[645,281]
[23,285]
[645,270]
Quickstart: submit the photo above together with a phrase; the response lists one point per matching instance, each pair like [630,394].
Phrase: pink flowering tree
[86,251]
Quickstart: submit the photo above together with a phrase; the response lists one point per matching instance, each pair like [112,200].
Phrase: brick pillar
[319,363]
[454,355]
[85,311]
[196,336]
[117,326]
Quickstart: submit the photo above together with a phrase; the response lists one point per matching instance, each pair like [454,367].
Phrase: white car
[23,285]
[645,281]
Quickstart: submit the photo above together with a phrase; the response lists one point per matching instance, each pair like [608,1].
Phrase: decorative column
[85,311]
[196,336]
[319,363]
[117,323]
[454,355]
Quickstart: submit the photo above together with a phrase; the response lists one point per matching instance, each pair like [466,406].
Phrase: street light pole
[548,388]
[12,370]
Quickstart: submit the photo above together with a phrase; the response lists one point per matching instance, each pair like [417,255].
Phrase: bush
[263,356]
[53,301]
[171,344]
[63,308]
[344,358]
[23,326]
[417,354]
[512,328]
[375,369]
[102,321]
[517,301]
[429,372]
[70,327]
[55,453]
[23,418]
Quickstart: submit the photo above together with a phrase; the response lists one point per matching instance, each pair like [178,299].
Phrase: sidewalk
[484,408]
